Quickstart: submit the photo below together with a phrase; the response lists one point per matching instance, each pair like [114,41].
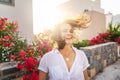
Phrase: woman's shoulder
[78,50]
[81,54]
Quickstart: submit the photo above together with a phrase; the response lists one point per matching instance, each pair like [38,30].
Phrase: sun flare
[46,15]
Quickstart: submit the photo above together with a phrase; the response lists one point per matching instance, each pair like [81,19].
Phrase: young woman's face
[67,33]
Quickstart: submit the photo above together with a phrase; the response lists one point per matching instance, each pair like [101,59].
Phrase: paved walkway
[111,72]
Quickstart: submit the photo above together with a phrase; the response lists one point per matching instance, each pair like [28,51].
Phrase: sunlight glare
[45,14]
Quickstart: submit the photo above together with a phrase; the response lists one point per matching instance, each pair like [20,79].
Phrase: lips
[68,38]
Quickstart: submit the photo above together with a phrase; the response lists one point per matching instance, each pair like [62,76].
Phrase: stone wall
[8,71]
[99,57]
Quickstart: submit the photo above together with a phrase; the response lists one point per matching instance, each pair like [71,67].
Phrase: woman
[66,62]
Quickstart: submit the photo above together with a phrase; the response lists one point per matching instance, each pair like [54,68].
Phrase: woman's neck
[67,49]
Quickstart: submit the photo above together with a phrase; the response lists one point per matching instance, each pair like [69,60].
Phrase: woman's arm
[85,74]
[42,75]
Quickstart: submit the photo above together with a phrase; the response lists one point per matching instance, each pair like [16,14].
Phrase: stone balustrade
[9,71]
[99,57]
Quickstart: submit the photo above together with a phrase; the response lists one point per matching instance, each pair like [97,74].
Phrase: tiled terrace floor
[111,72]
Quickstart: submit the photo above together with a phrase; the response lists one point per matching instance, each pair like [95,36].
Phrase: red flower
[2,24]
[22,54]
[92,41]
[11,44]
[49,49]
[34,76]
[6,44]
[29,63]
[6,38]
[105,35]
[99,39]
[5,19]
[41,54]
[12,57]
[30,49]
[16,28]
[117,39]
[20,66]
[26,77]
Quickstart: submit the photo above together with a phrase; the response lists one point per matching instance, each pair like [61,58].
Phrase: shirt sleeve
[43,66]
[85,62]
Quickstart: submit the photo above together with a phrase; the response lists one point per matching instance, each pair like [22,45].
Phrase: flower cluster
[105,37]
[43,42]
[6,30]
[12,48]
[117,39]
[9,39]
[100,38]
[28,63]
[28,59]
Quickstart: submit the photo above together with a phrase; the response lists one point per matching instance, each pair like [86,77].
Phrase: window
[7,2]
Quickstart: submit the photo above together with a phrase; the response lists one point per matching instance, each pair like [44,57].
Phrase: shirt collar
[74,48]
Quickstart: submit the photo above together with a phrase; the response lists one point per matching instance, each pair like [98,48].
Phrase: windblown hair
[82,21]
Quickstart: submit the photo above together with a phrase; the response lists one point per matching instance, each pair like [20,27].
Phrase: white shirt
[53,63]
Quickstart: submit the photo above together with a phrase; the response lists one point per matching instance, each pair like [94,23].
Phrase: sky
[112,6]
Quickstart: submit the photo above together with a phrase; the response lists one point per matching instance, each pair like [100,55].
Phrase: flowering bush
[12,48]
[100,38]
[10,42]
[112,34]
[28,62]
[28,59]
